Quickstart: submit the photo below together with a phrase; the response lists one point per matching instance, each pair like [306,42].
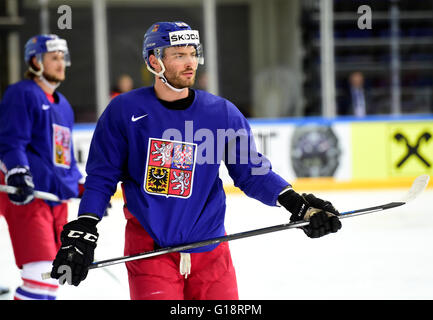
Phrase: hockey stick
[38,194]
[417,188]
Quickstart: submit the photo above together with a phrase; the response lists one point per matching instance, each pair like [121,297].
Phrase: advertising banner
[317,153]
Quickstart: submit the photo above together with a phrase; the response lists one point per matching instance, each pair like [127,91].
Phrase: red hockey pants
[212,273]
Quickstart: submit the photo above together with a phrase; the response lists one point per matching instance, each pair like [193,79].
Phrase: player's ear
[154,64]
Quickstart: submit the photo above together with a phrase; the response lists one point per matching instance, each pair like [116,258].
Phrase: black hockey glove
[21,178]
[79,239]
[321,214]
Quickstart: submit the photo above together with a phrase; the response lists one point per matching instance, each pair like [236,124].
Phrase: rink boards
[338,154]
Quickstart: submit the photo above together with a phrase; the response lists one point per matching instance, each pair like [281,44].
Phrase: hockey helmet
[166,34]
[40,44]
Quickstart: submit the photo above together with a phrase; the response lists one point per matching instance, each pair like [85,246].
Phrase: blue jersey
[37,133]
[168,161]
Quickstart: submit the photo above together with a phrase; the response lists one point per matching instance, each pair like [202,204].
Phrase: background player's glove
[21,178]
[321,214]
[79,239]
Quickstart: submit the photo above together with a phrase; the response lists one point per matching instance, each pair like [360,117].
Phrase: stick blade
[418,186]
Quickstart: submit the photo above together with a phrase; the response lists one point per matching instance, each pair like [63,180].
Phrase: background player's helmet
[166,34]
[40,44]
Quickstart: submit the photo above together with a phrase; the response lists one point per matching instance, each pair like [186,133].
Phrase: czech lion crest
[170,168]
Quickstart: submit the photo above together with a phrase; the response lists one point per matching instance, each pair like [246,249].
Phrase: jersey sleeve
[107,157]
[250,170]
[16,118]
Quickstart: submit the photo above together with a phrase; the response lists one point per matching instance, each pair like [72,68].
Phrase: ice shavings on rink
[384,255]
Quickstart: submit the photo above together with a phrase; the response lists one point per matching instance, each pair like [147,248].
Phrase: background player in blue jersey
[165,143]
[36,152]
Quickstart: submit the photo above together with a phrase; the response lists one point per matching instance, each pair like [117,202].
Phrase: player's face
[54,66]
[181,65]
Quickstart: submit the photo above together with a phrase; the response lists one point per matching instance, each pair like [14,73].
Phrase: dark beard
[178,83]
[50,78]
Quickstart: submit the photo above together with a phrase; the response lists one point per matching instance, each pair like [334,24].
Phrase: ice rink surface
[384,255]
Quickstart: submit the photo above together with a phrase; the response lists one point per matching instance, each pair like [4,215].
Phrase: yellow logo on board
[411,148]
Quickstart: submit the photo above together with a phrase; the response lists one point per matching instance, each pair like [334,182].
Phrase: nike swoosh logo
[45,107]
[133,118]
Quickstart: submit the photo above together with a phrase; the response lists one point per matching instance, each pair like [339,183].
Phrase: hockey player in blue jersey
[165,144]
[36,152]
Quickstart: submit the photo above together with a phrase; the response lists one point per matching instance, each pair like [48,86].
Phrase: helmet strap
[39,74]
[162,77]
[48,84]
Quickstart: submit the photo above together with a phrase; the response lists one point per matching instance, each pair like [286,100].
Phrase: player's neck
[43,86]
[165,93]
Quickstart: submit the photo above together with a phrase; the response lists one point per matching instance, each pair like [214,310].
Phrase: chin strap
[48,84]
[162,77]
[39,74]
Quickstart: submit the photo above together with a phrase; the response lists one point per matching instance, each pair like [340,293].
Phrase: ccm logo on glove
[78,234]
